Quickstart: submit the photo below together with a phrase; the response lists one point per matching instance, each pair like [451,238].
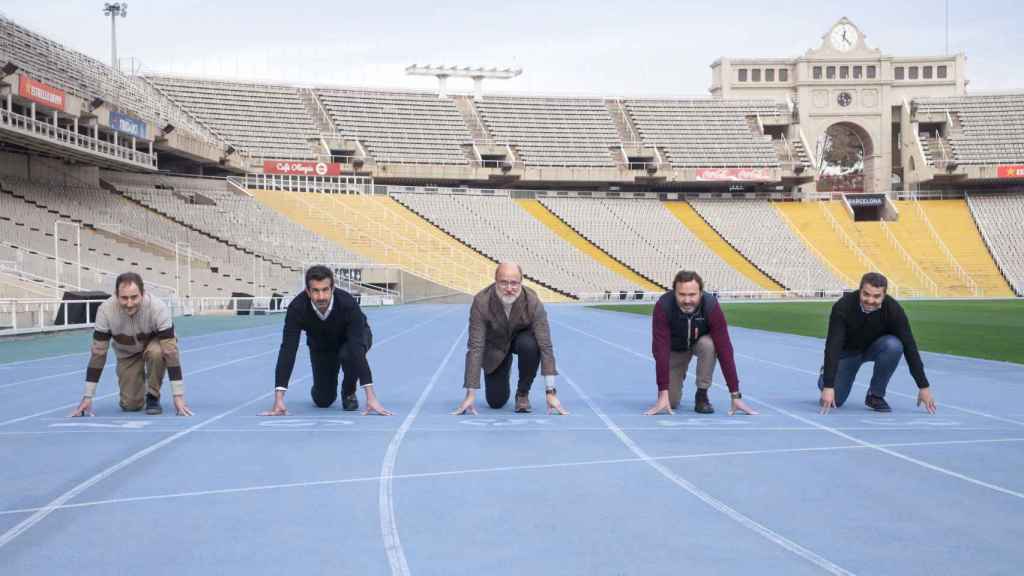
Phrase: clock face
[844,37]
[844,99]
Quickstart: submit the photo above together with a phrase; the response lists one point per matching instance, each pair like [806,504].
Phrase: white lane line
[329,426]
[220,333]
[110,364]
[190,373]
[388,523]
[72,405]
[831,430]
[52,410]
[708,499]
[893,392]
[498,469]
[37,517]
[873,446]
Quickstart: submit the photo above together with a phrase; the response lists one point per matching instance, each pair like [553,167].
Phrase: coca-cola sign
[301,168]
[734,174]
[41,93]
[1008,171]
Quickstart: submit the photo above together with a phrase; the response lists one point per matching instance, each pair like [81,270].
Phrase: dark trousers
[326,366]
[885,353]
[496,384]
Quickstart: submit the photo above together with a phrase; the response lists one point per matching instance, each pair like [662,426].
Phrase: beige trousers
[704,349]
[140,374]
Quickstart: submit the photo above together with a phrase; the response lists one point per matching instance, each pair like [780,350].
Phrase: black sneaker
[877,403]
[349,403]
[701,404]
[153,405]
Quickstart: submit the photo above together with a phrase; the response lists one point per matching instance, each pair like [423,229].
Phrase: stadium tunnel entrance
[847,159]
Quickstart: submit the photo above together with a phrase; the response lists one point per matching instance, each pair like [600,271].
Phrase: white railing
[134,235]
[11,273]
[923,160]
[1004,269]
[325,118]
[242,306]
[919,273]
[100,275]
[633,297]
[264,305]
[839,274]
[47,131]
[23,316]
[624,119]
[850,243]
[33,315]
[950,259]
[300,183]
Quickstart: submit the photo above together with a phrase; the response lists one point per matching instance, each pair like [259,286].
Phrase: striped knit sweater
[130,336]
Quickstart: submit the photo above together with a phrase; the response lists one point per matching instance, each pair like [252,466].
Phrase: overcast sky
[583,47]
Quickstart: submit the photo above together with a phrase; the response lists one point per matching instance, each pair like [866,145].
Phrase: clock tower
[843,84]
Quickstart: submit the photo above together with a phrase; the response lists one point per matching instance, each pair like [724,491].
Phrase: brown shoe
[523,403]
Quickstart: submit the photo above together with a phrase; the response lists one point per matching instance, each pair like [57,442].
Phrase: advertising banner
[301,168]
[41,93]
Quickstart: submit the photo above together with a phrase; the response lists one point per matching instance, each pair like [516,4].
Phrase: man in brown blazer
[508,318]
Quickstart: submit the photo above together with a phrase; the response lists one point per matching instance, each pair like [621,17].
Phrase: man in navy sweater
[869,326]
[338,338]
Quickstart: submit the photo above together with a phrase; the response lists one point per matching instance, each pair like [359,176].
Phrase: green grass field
[980,329]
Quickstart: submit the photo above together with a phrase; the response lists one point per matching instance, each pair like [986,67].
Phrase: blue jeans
[884,352]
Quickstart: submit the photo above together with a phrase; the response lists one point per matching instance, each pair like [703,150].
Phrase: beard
[508,300]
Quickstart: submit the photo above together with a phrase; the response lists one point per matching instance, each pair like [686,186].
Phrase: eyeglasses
[508,283]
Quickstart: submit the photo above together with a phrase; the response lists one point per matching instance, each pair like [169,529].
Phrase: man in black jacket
[869,326]
[338,338]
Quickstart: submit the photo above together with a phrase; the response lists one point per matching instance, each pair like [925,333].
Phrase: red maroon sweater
[661,341]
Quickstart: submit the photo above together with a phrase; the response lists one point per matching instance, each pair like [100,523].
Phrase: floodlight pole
[442,73]
[114,9]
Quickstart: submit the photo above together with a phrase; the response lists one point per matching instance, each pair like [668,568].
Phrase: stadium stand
[382,230]
[953,221]
[823,237]
[999,218]
[500,229]
[266,120]
[885,253]
[913,231]
[238,219]
[400,127]
[699,133]
[755,229]
[118,233]
[643,235]
[87,78]
[986,129]
[552,131]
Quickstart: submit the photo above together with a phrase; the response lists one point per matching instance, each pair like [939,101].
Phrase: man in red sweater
[687,322]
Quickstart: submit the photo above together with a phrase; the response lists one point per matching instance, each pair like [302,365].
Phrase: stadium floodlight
[114,9]
[442,73]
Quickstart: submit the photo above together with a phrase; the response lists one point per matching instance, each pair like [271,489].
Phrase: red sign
[734,174]
[1016,171]
[304,168]
[41,93]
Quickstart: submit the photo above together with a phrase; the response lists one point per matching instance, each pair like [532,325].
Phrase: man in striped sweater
[142,333]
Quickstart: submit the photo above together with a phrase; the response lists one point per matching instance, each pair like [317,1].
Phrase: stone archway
[847,159]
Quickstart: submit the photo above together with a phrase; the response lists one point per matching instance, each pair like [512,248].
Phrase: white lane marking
[386,503]
[497,469]
[708,499]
